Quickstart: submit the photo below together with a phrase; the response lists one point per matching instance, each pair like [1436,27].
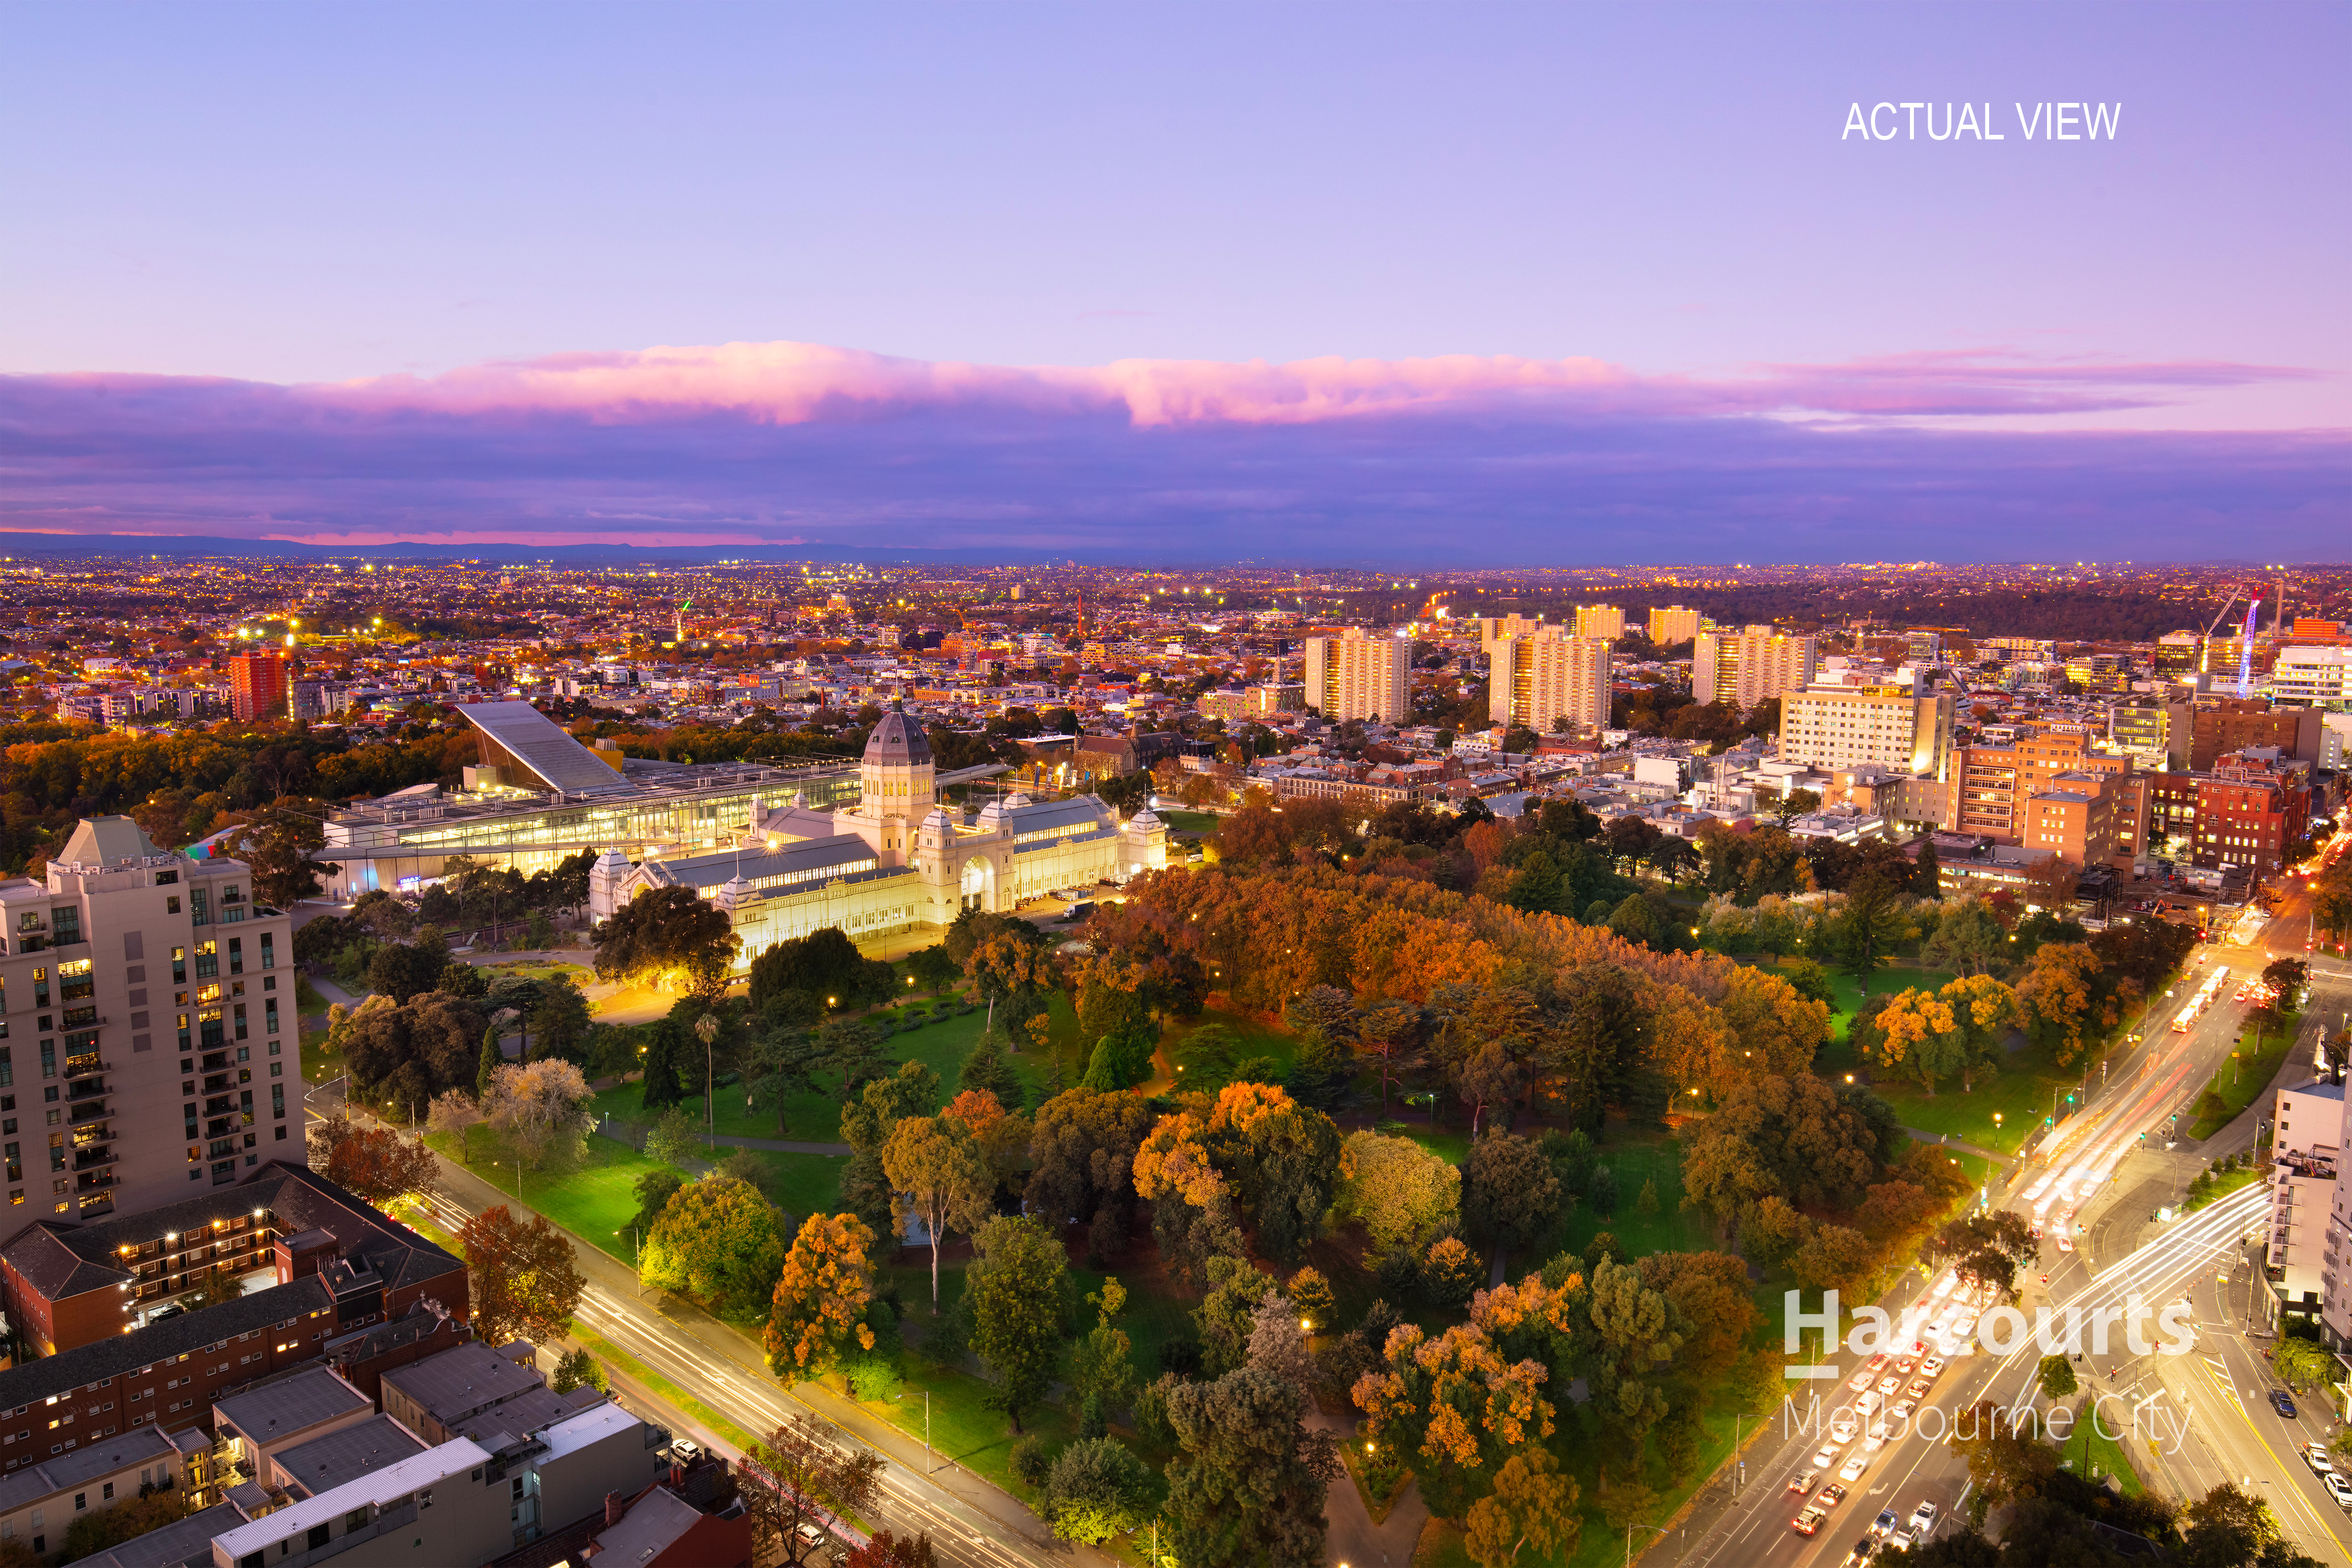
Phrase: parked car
[2337,1488]
[2315,1456]
[685,1448]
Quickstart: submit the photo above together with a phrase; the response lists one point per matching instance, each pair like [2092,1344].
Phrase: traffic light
[2049,1122]
[2070,1100]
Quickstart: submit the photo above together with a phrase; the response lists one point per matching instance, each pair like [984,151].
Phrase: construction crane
[2246,648]
[2205,643]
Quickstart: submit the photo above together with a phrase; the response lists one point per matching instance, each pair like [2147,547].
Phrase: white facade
[1747,666]
[1890,726]
[2312,677]
[2303,1164]
[1606,622]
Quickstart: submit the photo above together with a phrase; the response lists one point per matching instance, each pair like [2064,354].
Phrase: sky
[1412,285]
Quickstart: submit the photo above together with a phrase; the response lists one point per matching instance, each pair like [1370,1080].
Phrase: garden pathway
[1352,1538]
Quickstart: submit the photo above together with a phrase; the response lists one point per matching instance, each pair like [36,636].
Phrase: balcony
[84,1065]
[91,1159]
[87,1111]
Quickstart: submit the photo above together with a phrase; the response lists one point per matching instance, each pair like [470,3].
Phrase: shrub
[1031,1463]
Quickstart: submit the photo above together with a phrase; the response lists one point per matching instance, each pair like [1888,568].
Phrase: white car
[2315,1456]
[1841,1430]
[1900,1539]
[1922,1519]
[1827,1456]
[2337,1488]
[1852,1469]
[1902,1412]
[1931,1367]
[1889,1384]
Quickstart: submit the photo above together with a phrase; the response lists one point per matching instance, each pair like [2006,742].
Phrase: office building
[1354,677]
[258,684]
[1673,624]
[2224,724]
[2252,808]
[1549,683]
[1747,666]
[1998,786]
[2142,729]
[2314,677]
[1606,622]
[131,977]
[1896,727]
[2177,654]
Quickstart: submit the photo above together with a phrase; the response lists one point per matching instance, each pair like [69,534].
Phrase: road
[2207,1408]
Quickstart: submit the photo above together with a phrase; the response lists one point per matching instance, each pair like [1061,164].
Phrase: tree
[2003,1458]
[781,1063]
[1867,927]
[1081,1160]
[1985,1010]
[823,963]
[1710,1297]
[380,1165]
[1457,1405]
[857,1051]
[543,1108]
[1282,1160]
[667,935]
[933,1160]
[521,1279]
[276,849]
[932,969]
[1398,1190]
[2227,1527]
[1984,1249]
[404,971]
[1014,1285]
[2057,994]
[1246,1487]
[1509,1195]
[577,1368]
[1311,1293]
[1102,1365]
[986,1069]
[1796,1139]
[718,1241]
[2302,1365]
[866,1122]
[1278,1340]
[1096,1489]
[819,1304]
[559,1019]
[2056,1378]
[802,1473]
[102,1529]
[486,1071]
[1916,1031]
[409,1054]
[1968,940]
[1532,1505]
[675,1138]
[888,1551]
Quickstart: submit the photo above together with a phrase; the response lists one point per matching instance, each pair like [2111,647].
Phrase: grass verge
[2095,1455]
[2245,1080]
[612,1354]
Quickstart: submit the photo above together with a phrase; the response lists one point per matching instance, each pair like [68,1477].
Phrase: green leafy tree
[1014,1286]
[2056,1377]
[676,1138]
[2003,1458]
[669,1050]
[668,934]
[1532,1505]
[1102,1365]
[1510,1198]
[781,1063]
[653,1189]
[1096,1489]
[718,1241]
[1311,1292]
[1398,1190]
[1246,1487]
[578,1368]
[934,1161]
[1868,927]
[987,1069]
[867,1121]
[559,1019]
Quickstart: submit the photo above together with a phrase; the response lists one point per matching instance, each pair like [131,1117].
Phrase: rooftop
[461,1380]
[325,1463]
[290,1404]
[291,1524]
[184,1543]
[138,1445]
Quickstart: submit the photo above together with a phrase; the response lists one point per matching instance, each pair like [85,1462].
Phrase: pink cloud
[795,383]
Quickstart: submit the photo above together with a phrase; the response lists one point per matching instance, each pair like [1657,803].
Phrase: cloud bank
[1458,459]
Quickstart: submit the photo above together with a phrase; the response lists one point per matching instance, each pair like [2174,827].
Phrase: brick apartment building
[120,965]
[2053,790]
[2226,724]
[2251,809]
[345,1274]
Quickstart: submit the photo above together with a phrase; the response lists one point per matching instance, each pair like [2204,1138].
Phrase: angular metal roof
[538,744]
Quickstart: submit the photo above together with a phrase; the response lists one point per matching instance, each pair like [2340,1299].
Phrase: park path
[1945,1141]
[1350,1536]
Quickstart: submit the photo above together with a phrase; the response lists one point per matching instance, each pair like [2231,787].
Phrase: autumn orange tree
[1456,1406]
[2057,993]
[819,1307]
[521,1278]
[377,1163]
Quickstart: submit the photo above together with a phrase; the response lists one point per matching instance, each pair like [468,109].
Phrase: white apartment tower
[1353,676]
[148,998]
[1895,727]
[1747,666]
[1673,624]
[1549,683]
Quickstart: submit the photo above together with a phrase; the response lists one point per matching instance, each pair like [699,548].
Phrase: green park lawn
[2241,1082]
[1190,821]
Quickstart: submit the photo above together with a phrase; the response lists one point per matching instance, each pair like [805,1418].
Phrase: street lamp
[1653,1528]
[927,1428]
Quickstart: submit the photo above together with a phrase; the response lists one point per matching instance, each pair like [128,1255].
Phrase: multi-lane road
[2188,1420]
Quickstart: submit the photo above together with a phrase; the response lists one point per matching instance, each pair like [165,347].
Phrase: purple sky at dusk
[1414,285]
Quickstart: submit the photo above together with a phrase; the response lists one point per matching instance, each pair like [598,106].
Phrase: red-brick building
[2250,809]
[258,684]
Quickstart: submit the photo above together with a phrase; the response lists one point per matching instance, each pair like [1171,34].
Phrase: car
[2282,1403]
[2337,1488]
[1860,1553]
[1885,1523]
[2315,1456]
[1923,1517]
[1889,1384]
[2065,1242]
[1827,1456]
[685,1448]
[1869,1404]
[1918,1388]
[1841,1430]
[809,1536]
[1830,1495]
[1903,1368]
[1933,1366]
[1852,1469]
[1899,1539]
[1903,1411]
[1804,1483]
[1808,1521]
[1859,1380]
